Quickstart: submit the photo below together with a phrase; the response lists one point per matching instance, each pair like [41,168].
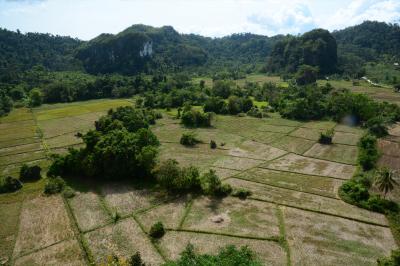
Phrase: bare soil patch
[123,239]
[233,216]
[88,211]
[67,252]
[304,165]
[334,241]
[307,201]
[334,152]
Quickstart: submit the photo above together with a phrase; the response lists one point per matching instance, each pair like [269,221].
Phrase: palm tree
[385,180]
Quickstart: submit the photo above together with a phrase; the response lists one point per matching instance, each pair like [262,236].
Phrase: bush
[68,192]
[157,230]
[136,260]
[9,184]
[194,118]
[189,139]
[213,144]
[326,137]
[211,185]
[54,185]
[173,178]
[29,173]
[393,260]
[241,193]
[228,256]
[368,152]
[377,126]
[255,112]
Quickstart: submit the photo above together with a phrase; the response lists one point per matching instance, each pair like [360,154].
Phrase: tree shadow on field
[214,204]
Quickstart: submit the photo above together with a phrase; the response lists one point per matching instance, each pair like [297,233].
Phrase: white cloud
[86,19]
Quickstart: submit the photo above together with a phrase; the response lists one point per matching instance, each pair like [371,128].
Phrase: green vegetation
[229,255]
[326,137]
[368,152]
[189,139]
[195,118]
[121,147]
[54,185]
[157,230]
[9,184]
[30,173]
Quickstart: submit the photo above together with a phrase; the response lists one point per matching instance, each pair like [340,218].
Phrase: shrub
[157,230]
[195,118]
[213,144]
[326,137]
[136,260]
[229,255]
[68,192]
[255,112]
[170,176]
[241,193]
[189,139]
[393,260]
[54,185]
[29,173]
[377,126]
[211,185]
[368,152]
[116,217]
[9,184]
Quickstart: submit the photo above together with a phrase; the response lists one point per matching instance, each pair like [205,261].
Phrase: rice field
[293,216]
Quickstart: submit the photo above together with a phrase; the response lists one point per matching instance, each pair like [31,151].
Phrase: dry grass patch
[170,214]
[389,148]
[223,173]
[63,140]
[275,128]
[125,199]
[88,211]
[349,129]
[334,241]
[202,161]
[16,115]
[20,149]
[233,216]
[236,163]
[346,138]
[334,152]
[307,201]
[306,183]
[390,162]
[256,150]
[44,221]
[122,239]
[65,253]
[22,157]
[320,125]
[299,164]
[293,144]
[17,125]
[307,133]
[17,142]
[173,243]
[9,217]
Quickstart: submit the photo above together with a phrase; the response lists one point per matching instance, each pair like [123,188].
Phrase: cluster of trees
[195,118]
[121,146]
[319,102]
[174,178]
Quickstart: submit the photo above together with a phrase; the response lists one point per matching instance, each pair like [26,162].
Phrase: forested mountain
[316,48]
[146,49]
[20,52]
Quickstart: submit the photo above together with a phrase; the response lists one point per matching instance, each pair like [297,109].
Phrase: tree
[385,180]
[306,75]
[35,98]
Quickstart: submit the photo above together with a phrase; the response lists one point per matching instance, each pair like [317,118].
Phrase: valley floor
[293,217]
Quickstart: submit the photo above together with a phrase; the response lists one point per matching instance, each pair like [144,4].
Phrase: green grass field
[293,216]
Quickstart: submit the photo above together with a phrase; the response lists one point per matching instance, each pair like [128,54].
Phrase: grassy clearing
[306,183]
[40,227]
[236,163]
[292,144]
[63,140]
[125,199]
[123,239]
[307,133]
[233,216]
[17,115]
[256,150]
[173,243]
[307,201]
[170,214]
[346,138]
[78,108]
[67,252]
[335,152]
[202,161]
[20,149]
[334,241]
[88,211]
[275,128]
[324,125]
[22,157]
[17,142]
[304,165]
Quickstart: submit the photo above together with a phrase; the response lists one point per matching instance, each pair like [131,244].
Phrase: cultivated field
[293,217]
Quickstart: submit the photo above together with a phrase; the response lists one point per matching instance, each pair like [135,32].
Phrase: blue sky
[86,19]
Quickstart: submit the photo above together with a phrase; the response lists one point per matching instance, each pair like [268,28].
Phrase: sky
[86,19]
